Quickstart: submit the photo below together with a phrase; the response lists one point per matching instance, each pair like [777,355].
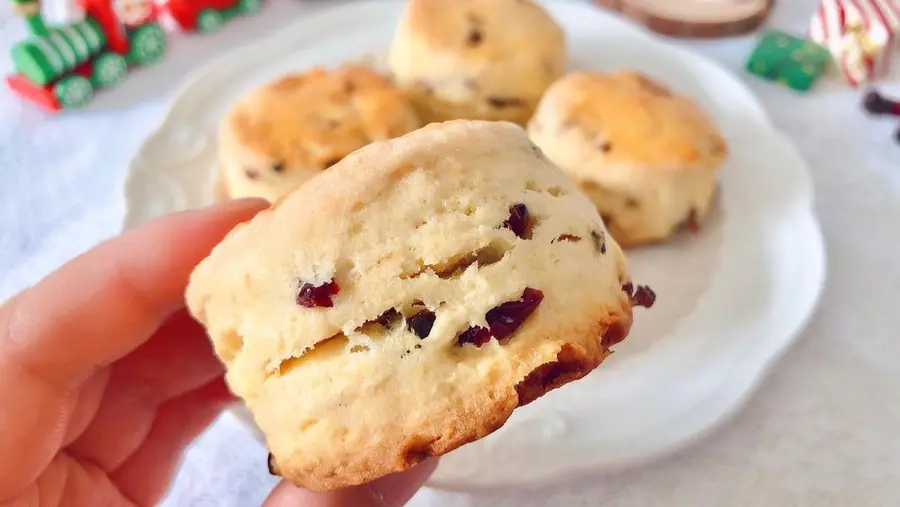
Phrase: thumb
[391,491]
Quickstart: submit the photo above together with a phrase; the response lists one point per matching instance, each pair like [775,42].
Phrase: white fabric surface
[824,429]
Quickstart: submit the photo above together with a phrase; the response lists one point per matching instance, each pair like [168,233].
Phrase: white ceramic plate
[730,300]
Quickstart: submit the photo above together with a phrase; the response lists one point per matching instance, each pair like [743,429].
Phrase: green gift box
[793,61]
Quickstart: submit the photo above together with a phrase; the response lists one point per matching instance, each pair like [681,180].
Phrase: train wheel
[73,91]
[251,6]
[210,20]
[148,44]
[109,69]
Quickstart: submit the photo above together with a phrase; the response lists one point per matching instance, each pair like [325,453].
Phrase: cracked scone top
[283,133]
[404,302]
[647,157]
[480,59]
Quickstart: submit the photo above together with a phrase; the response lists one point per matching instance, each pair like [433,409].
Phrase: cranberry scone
[283,133]
[648,157]
[406,301]
[480,59]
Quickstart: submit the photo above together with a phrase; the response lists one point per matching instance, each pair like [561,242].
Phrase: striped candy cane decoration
[859,33]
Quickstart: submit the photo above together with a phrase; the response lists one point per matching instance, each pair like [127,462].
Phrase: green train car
[60,67]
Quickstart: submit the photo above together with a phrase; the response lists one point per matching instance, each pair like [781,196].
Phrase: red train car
[208,15]
[60,67]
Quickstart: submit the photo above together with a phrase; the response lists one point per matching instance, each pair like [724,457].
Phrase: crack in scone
[456,265]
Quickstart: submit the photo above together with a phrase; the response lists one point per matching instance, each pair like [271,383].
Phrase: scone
[406,301]
[480,59]
[285,132]
[646,156]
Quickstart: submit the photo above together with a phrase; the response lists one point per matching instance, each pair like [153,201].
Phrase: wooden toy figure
[134,13]
[31,11]
[59,67]
[695,18]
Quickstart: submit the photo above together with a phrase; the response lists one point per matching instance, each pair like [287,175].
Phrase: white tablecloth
[824,429]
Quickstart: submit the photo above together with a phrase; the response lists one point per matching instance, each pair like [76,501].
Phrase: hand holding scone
[406,301]
[105,379]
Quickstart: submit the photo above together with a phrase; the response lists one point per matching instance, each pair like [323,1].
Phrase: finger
[90,396]
[176,360]
[67,482]
[30,429]
[94,310]
[112,298]
[391,491]
[147,473]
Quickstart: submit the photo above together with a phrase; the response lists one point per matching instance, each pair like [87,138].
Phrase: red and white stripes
[859,33]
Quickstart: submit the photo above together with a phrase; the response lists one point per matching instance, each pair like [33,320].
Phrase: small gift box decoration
[793,61]
[860,34]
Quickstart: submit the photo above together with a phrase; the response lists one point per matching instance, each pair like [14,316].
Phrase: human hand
[105,378]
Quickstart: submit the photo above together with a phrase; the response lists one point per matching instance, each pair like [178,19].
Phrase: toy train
[60,67]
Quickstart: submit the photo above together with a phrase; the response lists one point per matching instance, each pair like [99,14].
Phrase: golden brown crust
[283,133]
[319,115]
[635,119]
[485,59]
[646,156]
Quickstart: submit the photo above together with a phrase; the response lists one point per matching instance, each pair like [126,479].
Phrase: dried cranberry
[518,220]
[475,37]
[504,102]
[548,67]
[476,335]
[692,222]
[876,103]
[503,320]
[643,296]
[640,295]
[426,87]
[312,296]
[388,318]
[599,241]
[506,318]
[421,323]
